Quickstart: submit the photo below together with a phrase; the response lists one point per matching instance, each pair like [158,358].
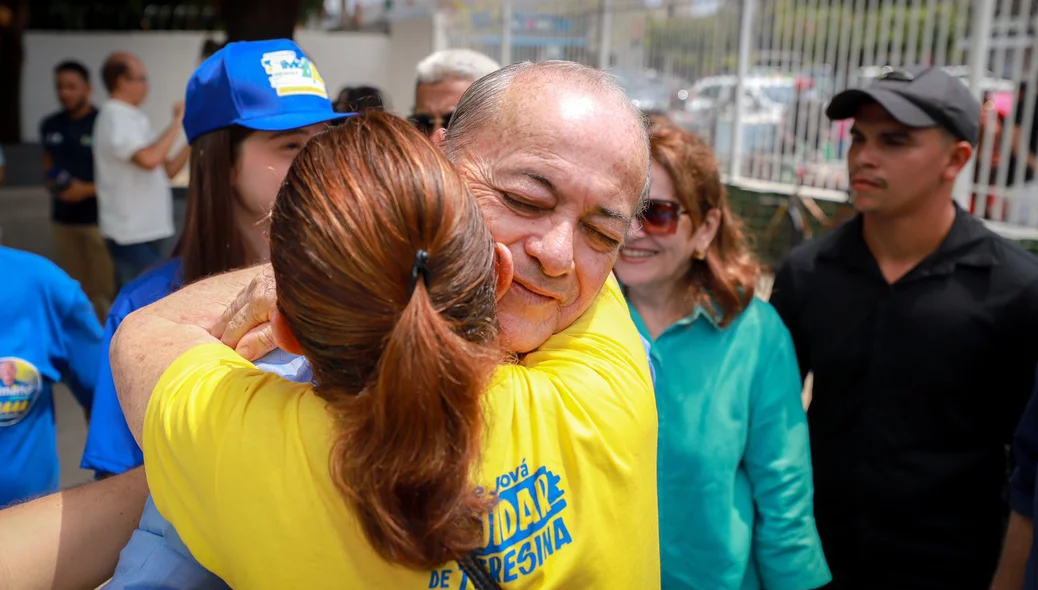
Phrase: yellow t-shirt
[237,460]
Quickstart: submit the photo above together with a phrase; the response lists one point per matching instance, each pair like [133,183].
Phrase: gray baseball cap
[916,96]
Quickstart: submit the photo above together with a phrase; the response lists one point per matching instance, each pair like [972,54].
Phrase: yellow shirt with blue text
[238,460]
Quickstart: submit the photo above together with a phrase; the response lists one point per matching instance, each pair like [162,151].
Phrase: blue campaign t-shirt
[49,334]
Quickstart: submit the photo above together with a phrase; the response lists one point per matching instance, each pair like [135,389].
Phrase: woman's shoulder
[762,318]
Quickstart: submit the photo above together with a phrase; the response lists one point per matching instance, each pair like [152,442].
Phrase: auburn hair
[403,372]
[727,277]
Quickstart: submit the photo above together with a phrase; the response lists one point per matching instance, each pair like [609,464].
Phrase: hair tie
[421,267]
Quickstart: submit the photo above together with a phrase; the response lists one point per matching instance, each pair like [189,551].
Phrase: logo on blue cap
[290,74]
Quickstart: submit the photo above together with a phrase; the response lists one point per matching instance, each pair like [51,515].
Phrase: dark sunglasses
[660,218]
[896,74]
[429,124]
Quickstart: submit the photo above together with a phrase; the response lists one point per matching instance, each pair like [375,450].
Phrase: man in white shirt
[132,168]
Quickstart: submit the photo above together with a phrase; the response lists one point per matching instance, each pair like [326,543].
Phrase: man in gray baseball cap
[917,97]
[905,314]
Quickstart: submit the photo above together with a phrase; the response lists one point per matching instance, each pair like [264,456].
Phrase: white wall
[171,57]
[412,41]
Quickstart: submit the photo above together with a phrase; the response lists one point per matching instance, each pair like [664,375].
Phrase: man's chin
[521,334]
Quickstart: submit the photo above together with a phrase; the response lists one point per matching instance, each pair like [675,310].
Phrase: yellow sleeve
[215,428]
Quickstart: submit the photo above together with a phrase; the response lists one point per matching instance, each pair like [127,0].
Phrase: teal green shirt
[735,489]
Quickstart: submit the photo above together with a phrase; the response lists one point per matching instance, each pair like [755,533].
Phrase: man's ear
[503,268]
[439,138]
[283,336]
[962,150]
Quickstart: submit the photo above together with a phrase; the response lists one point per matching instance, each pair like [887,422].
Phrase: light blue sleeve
[156,558]
[786,545]
[648,354]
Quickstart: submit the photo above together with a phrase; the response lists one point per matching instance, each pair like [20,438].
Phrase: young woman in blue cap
[249,109]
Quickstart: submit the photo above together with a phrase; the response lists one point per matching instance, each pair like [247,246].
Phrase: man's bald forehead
[511,100]
[547,92]
[530,86]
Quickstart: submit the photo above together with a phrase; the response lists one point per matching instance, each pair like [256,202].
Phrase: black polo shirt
[917,389]
[70,144]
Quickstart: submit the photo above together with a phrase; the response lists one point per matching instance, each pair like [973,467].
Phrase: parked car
[650,90]
[765,98]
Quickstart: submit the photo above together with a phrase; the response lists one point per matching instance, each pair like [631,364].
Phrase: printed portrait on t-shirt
[20,387]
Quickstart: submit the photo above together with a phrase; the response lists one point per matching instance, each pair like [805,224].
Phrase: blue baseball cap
[261,85]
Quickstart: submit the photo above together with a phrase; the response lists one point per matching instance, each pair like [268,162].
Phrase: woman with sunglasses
[734,466]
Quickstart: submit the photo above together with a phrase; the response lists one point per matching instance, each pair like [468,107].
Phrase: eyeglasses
[660,218]
[896,74]
[429,124]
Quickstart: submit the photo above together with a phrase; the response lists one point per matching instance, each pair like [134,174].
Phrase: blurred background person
[359,99]
[442,79]
[68,162]
[735,489]
[50,334]
[994,123]
[133,168]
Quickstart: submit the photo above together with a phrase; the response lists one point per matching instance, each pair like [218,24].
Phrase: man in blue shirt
[68,162]
[49,334]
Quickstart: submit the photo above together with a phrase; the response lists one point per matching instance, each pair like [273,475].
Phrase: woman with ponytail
[418,457]
[734,458]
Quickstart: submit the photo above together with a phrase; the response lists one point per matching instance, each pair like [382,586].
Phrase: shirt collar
[702,311]
[713,317]
[967,243]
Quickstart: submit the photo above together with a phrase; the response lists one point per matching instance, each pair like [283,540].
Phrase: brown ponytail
[403,372]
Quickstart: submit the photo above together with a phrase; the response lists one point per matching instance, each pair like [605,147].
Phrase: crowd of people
[513,340]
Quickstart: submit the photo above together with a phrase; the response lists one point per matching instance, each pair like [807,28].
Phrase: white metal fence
[786,59]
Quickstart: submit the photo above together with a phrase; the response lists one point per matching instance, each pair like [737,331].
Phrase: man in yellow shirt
[559,162]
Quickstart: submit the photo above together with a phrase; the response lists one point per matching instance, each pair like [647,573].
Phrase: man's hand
[178,111]
[76,191]
[245,324]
